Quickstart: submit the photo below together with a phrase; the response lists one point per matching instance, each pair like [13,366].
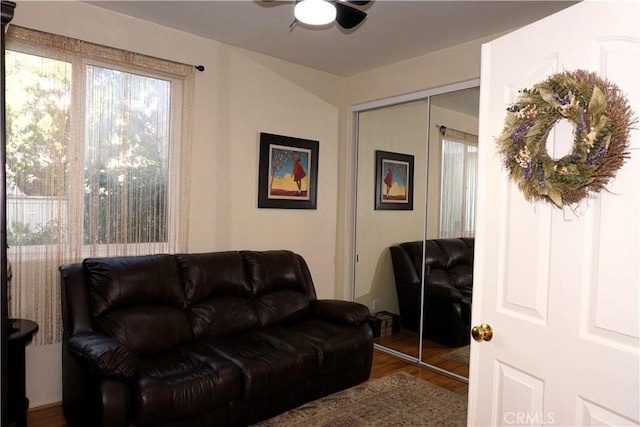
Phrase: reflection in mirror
[439,132]
[400,129]
[448,277]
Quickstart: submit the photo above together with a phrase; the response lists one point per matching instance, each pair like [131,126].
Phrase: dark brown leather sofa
[225,338]
[448,287]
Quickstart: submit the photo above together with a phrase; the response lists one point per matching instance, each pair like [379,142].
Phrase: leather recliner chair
[448,287]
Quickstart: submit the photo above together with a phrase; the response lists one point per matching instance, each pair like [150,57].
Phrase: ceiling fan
[322,12]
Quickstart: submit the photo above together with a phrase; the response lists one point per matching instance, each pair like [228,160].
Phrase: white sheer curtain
[97,141]
[458,183]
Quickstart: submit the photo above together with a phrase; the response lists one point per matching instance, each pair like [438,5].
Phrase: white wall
[447,66]
[256,99]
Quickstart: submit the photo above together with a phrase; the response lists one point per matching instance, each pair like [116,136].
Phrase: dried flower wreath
[602,119]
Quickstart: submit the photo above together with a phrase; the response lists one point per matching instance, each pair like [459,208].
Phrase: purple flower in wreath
[597,155]
[562,101]
[518,134]
[508,161]
[581,122]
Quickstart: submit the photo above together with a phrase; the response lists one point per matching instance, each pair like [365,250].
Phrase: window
[96,139]
[38,98]
[126,148]
[458,184]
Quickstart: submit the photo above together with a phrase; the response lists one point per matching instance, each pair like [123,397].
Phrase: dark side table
[20,334]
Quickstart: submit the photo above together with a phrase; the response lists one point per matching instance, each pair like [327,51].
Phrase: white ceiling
[394,30]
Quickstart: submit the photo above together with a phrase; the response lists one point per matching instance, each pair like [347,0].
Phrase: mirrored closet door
[415,183]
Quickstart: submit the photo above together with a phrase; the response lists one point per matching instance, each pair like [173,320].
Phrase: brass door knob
[482,332]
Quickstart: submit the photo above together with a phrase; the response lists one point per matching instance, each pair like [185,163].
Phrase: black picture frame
[393,181]
[282,160]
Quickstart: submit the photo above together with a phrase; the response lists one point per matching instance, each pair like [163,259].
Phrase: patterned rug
[460,355]
[395,400]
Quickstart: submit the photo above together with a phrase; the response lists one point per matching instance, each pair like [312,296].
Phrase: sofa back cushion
[456,251]
[448,262]
[218,295]
[281,284]
[138,300]
[459,261]
[414,251]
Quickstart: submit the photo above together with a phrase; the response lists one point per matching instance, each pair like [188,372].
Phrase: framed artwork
[288,172]
[393,181]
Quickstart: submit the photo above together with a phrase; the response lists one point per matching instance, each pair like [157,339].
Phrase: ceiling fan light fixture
[315,12]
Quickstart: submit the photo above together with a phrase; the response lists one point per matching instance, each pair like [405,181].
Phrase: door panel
[524,295]
[592,414]
[520,392]
[559,287]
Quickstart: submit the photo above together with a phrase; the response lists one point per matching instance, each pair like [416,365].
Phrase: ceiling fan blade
[359,2]
[348,17]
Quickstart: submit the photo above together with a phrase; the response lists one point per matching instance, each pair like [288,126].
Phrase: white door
[560,289]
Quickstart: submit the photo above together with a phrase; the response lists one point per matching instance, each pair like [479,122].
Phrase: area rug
[395,400]
[460,355]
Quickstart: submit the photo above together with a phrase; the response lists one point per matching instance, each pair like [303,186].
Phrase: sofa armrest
[444,292]
[338,311]
[103,355]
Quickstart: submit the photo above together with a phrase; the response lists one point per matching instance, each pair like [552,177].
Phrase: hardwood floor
[383,364]
[46,416]
[433,353]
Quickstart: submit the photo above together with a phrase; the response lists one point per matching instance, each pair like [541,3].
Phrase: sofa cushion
[138,300]
[269,364]
[282,286]
[282,306]
[129,280]
[146,329]
[459,262]
[457,252]
[218,295]
[337,347]
[462,276]
[183,382]
[438,277]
